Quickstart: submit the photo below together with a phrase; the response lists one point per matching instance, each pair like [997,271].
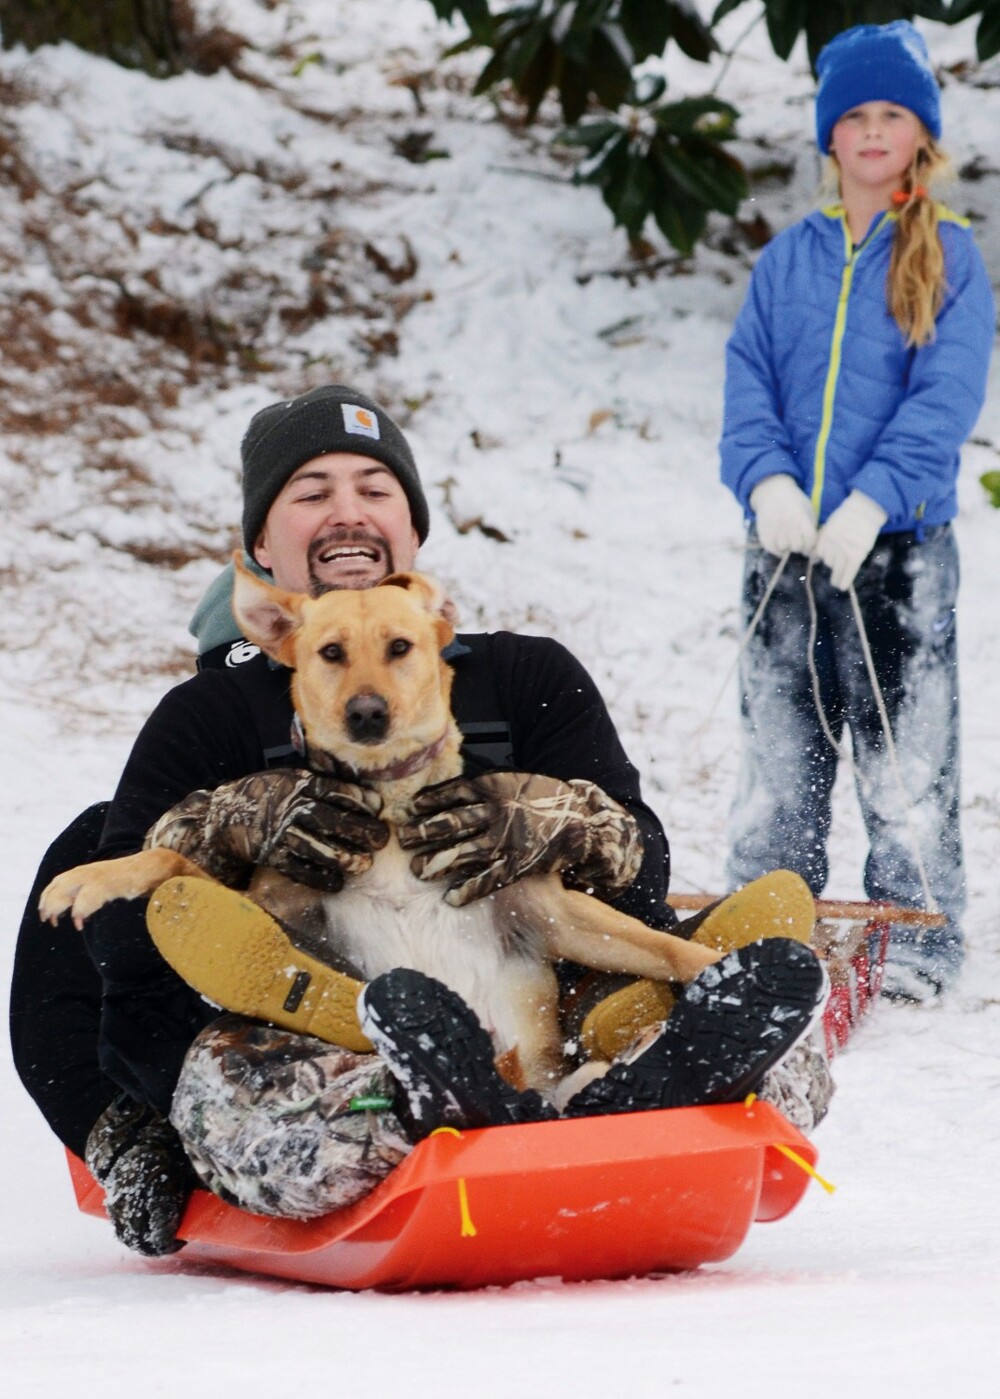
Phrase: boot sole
[439,1052]
[775,905]
[738,1019]
[233,953]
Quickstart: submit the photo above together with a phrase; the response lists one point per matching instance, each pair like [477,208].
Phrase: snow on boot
[735,1021]
[441,1055]
[922,963]
[137,1157]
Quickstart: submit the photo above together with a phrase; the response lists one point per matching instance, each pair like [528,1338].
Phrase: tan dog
[370,687]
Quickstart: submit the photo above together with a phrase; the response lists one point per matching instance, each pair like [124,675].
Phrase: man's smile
[337,552]
[354,558]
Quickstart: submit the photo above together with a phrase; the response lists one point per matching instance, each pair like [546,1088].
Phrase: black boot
[735,1021]
[441,1056]
[137,1157]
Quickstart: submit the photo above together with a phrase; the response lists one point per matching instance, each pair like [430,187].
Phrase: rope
[883,714]
[890,745]
[843,756]
[831,738]
[745,640]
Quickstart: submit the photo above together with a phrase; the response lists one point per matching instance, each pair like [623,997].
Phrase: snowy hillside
[174,255]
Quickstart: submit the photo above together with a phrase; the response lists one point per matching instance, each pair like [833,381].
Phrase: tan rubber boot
[776,905]
[236,955]
[618,1020]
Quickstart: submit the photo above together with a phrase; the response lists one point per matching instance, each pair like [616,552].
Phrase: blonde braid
[915,286]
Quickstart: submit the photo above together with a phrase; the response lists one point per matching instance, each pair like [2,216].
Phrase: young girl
[855,371]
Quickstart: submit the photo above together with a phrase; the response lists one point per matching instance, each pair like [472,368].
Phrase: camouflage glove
[309,827]
[482,833]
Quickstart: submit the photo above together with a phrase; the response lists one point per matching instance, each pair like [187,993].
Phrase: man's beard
[318,586]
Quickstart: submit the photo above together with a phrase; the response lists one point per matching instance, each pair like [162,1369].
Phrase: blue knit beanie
[876,63]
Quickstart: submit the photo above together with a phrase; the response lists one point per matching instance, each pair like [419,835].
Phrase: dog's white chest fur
[388,918]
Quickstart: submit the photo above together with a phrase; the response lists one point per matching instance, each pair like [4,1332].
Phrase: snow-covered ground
[564,408]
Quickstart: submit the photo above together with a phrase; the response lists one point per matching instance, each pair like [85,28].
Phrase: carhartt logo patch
[360,420]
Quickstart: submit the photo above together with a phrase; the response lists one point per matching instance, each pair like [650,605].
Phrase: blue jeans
[907,593]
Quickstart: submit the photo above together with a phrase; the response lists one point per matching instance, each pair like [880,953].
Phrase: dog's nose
[367,718]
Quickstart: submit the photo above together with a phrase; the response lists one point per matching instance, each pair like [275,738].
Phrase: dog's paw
[60,896]
[76,892]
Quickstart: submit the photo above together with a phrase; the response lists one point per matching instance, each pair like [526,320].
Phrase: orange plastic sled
[598,1197]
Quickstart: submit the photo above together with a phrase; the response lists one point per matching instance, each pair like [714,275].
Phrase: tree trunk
[134,33]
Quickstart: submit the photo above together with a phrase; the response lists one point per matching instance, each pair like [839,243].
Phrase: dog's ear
[432,597]
[266,615]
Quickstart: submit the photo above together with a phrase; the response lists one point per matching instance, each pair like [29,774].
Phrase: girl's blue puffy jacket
[820,384]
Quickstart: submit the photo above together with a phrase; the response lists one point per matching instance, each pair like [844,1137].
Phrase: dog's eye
[333,653]
[400,646]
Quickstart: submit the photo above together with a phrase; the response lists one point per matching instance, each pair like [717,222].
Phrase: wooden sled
[852,937]
[598,1197]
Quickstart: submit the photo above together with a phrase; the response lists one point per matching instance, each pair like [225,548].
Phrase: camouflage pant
[274,1122]
[271,1121]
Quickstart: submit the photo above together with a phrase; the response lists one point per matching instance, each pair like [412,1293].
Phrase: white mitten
[846,540]
[785,520]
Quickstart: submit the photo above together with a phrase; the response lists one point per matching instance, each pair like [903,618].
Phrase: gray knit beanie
[332,418]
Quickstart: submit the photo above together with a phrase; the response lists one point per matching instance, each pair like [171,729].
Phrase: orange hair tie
[903,196]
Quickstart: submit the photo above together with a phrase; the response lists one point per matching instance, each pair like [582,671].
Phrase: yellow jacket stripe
[851,255]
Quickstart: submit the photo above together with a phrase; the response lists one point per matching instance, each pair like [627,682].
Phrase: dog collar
[319,761]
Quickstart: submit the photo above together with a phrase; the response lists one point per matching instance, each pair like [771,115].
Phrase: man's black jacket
[522,702]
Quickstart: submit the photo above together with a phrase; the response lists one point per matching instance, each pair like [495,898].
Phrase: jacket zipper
[851,254]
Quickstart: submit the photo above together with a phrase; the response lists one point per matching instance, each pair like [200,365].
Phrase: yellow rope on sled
[468,1230]
[809,1170]
[794,1156]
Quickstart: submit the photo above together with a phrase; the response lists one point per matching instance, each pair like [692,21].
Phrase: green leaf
[705,173]
[646,24]
[610,76]
[574,90]
[988,34]
[544,70]
[691,35]
[785,21]
[519,43]
[960,10]
[681,221]
[604,165]
[628,193]
[647,89]
[306,61]
[709,116]
[990,481]
[492,74]
[592,135]
[724,8]
[476,14]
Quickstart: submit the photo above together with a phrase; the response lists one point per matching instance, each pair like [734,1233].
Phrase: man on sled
[282,1122]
